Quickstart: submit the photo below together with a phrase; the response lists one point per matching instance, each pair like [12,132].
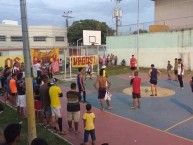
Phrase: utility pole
[28,74]
[117,13]
[66,15]
[138,35]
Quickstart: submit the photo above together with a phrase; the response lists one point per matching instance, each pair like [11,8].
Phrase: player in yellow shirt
[55,92]
[89,118]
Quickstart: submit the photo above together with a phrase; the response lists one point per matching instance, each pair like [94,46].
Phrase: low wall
[154,48]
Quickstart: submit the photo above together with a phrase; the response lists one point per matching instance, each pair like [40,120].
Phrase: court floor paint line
[148,125]
[179,123]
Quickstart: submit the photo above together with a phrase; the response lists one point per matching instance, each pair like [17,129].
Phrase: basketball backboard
[91,37]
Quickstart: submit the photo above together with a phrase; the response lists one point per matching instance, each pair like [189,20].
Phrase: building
[40,37]
[177,14]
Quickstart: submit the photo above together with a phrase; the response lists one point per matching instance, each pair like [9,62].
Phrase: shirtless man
[102,88]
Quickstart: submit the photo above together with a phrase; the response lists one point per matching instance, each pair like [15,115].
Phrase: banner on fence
[82,61]
[46,57]
[10,60]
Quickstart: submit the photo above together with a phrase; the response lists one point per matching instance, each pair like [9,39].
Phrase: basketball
[146,90]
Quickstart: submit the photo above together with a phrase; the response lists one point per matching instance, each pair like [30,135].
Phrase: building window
[59,38]
[2,38]
[39,38]
[16,38]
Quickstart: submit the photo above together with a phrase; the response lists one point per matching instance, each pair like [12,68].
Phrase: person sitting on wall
[123,62]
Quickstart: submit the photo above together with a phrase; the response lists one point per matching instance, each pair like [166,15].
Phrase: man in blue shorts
[153,73]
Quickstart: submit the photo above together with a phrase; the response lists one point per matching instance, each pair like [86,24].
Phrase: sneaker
[54,130]
[133,107]
[109,108]
[63,132]
[102,109]
[182,88]
[151,95]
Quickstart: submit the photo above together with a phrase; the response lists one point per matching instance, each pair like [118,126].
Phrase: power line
[67,16]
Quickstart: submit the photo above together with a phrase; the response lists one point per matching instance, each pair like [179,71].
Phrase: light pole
[77,46]
[138,35]
[28,74]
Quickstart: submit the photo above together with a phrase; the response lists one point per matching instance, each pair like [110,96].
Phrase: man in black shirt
[45,100]
[73,107]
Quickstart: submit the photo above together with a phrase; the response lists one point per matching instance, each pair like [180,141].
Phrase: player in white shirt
[180,73]
[88,70]
[38,68]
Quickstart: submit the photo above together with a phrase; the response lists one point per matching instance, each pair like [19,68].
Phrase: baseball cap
[53,81]
[104,66]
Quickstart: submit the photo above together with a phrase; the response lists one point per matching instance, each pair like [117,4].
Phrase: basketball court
[161,120]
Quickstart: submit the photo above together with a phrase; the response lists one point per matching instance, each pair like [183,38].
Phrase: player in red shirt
[136,83]
[133,64]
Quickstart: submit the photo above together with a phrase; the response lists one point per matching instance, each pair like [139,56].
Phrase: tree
[75,31]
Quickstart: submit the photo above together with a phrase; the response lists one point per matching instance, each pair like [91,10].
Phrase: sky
[49,12]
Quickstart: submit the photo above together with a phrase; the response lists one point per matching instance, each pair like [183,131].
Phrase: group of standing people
[178,71]
[110,59]
[13,84]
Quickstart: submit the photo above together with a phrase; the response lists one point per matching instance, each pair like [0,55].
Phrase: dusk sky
[49,12]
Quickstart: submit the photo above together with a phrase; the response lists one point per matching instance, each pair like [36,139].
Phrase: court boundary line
[145,125]
[179,123]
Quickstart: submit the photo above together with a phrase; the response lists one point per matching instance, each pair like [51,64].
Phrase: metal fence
[181,23]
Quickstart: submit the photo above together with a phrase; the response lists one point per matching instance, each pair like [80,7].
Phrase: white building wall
[15,48]
[157,57]
[171,9]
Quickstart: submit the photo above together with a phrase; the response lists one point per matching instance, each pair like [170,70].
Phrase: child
[169,68]
[136,83]
[89,118]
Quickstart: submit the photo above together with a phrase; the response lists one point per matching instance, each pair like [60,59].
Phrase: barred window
[2,38]
[16,38]
[59,38]
[39,38]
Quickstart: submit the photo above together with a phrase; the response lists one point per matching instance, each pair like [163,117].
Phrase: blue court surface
[172,114]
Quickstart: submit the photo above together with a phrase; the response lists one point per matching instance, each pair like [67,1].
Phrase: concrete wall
[49,31]
[170,9]
[157,48]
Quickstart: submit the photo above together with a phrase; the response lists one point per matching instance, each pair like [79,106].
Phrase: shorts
[37,105]
[56,111]
[47,111]
[136,95]
[175,72]
[14,94]
[21,101]
[86,135]
[73,116]
[133,68]
[154,82]
[80,88]
[102,92]
[88,72]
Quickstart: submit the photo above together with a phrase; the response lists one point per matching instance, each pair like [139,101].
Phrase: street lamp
[77,46]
